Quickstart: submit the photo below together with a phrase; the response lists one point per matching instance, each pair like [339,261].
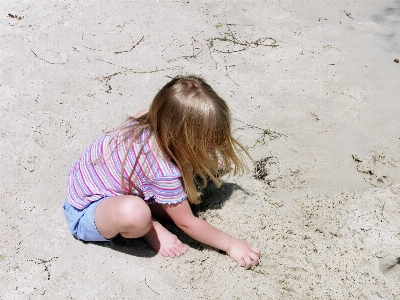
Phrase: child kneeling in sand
[146,170]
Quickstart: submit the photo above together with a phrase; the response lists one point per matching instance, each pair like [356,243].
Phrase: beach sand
[314,91]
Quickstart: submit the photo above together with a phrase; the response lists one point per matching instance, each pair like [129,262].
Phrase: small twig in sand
[145,280]
[89,47]
[111,63]
[216,64]
[70,137]
[267,134]
[136,72]
[133,47]
[256,127]
[15,17]
[272,135]
[348,14]
[193,55]
[130,70]
[51,63]
[227,73]
[234,37]
[46,264]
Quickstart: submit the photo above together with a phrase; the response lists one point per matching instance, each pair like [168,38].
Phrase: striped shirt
[94,176]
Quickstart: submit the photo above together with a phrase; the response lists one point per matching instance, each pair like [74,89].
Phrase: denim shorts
[81,222]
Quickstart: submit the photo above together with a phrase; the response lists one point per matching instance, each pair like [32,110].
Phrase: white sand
[327,215]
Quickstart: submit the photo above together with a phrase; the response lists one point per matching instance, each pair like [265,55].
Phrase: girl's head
[192,126]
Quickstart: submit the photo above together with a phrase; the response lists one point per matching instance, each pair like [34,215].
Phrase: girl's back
[97,173]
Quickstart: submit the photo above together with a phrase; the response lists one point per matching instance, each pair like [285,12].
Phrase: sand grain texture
[314,89]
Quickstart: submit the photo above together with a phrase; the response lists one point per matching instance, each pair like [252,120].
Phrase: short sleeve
[164,190]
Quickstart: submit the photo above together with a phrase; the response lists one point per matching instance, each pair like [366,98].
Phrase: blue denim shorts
[81,222]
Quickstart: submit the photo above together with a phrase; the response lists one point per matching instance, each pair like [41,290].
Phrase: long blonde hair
[192,127]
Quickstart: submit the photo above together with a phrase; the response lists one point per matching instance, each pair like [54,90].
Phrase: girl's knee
[135,213]
[128,215]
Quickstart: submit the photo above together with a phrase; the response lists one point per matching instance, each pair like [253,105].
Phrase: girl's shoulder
[139,143]
[165,167]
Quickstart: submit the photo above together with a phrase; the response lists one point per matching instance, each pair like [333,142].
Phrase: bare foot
[164,242]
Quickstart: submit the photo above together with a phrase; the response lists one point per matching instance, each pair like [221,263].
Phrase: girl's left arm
[239,250]
[141,113]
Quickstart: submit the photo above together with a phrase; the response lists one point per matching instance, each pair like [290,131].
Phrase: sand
[314,90]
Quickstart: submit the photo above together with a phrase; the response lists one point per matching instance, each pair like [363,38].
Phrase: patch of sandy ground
[314,92]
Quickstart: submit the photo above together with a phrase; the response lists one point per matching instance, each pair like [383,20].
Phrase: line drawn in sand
[231,43]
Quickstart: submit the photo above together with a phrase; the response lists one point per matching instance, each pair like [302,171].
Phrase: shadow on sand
[214,198]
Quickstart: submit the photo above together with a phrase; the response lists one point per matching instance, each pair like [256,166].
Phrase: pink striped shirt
[92,179]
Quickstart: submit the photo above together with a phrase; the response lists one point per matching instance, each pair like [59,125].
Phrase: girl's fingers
[248,262]
[242,263]
[254,257]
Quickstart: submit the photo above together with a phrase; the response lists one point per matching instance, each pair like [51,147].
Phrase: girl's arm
[141,113]
[239,250]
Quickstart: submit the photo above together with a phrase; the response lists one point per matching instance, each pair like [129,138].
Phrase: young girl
[146,170]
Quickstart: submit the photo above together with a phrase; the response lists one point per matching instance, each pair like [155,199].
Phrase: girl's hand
[239,250]
[243,253]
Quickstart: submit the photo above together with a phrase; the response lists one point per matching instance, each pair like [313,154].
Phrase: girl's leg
[131,217]
[163,241]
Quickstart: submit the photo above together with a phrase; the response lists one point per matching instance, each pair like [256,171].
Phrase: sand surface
[314,88]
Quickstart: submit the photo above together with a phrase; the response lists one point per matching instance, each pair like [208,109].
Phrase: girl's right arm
[239,250]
